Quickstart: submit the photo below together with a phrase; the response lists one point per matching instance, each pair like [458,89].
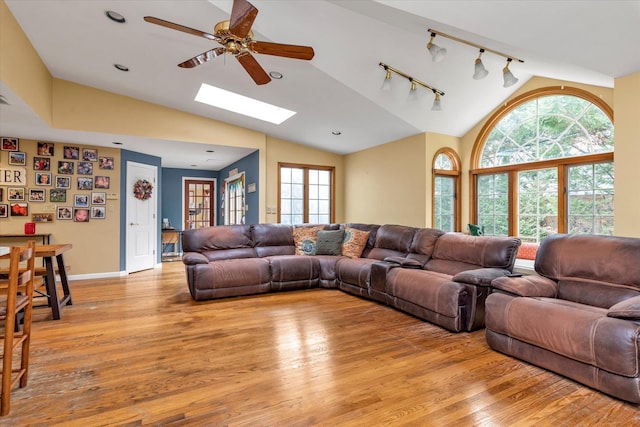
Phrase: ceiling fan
[236,38]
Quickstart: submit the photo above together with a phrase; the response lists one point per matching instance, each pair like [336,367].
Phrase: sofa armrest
[628,309]
[404,262]
[192,258]
[480,276]
[527,286]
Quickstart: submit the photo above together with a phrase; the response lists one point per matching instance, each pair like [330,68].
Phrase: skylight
[240,104]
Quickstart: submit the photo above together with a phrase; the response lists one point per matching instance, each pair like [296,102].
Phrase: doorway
[198,203]
[142,229]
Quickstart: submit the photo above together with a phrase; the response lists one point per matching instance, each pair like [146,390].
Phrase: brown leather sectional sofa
[580,317]
[441,277]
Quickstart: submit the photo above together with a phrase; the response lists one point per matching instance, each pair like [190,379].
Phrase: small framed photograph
[63,182]
[85,183]
[105,163]
[42,217]
[41,164]
[45,149]
[64,212]
[1,193]
[98,212]
[103,182]
[43,178]
[4,211]
[65,168]
[57,195]
[19,209]
[89,155]
[15,194]
[17,158]
[85,168]
[71,153]
[80,215]
[37,194]
[9,144]
[81,200]
[98,198]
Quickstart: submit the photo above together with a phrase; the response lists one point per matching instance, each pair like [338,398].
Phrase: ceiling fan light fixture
[437,53]
[275,75]
[509,78]
[115,17]
[479,71]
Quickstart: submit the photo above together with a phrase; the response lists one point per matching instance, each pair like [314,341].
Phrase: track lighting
[414,85]
[437,53]
[509,78]
[386,84]
[436,102]
[479,71]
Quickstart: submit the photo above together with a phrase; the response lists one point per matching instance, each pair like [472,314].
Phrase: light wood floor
[138,351]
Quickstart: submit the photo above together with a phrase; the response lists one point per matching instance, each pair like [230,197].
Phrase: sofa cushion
[354,242]
[291,268]
[355,271]
[273,239]
[217,238]
[628,309]
[330,242]
[305,239]
[392,240]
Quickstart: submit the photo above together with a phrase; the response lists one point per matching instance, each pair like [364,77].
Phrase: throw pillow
[330,242]
[354,242]
[305,239]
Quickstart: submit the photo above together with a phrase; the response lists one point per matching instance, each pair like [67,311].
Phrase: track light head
[509,78]
[386,84]
[437,106]
[479,71]
[437,53]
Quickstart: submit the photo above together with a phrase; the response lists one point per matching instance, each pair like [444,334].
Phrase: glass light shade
[509,78]
[386,84]
[437,106]
[437,53]
[480,72]
[413,92]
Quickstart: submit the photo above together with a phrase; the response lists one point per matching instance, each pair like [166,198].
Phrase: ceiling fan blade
[174,26]
[279,49]
[202,58]
[243,14]
[254,69]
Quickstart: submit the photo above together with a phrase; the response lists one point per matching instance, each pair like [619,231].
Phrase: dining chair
[16,296]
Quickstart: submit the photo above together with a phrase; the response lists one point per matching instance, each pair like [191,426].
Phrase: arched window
[446,188]
[543,165]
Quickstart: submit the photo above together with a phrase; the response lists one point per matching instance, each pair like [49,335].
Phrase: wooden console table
[46,237]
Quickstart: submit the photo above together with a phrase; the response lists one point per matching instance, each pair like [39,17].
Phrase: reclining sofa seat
[580,318]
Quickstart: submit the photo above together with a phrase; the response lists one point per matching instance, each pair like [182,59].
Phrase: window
[234,199]
[544,165]
[199,206]
[305,194]
[446,187]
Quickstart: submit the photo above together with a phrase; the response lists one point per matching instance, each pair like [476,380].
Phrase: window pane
[297,176]
[537,204]
[324,177]
[590,198]
[493,204]
[297,191]
[444,203]
[313,176]
[443,162]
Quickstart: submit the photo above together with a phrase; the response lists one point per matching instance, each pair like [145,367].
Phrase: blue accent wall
[132,156]
[172,192]
[250,165]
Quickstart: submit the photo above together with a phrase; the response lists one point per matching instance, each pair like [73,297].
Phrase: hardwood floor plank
[137,350]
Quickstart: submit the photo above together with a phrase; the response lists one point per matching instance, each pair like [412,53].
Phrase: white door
[142,229]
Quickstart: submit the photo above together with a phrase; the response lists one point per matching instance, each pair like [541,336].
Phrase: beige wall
[96,244]
[279,150]
[627,155]
[387,183]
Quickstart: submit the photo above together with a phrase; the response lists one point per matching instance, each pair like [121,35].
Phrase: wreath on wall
[142,189]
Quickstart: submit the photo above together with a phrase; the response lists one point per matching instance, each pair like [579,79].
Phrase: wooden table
[44,236]
[48,253]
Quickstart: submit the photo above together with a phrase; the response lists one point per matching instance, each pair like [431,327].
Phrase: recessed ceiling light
[116,143]
[3,100]
[115,16]
[210,151]
[240,104]
[121,67]
[336,132]
[193,166]
[275,75]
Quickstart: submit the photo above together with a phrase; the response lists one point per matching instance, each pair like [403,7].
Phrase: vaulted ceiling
[590,42]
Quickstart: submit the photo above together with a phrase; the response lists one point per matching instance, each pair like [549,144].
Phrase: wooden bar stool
[17,295]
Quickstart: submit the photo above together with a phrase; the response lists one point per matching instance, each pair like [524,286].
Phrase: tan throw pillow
[305,239]
[354,242]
